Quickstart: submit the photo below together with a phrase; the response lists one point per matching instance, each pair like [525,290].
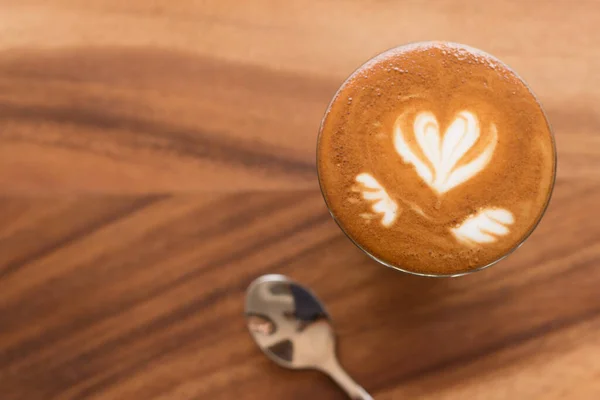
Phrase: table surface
[155,157]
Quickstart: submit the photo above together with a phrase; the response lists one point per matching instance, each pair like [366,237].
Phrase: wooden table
[156,156]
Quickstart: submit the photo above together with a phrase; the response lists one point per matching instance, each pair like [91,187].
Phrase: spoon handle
[337,373]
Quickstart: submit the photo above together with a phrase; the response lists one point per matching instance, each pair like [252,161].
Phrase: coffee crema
[436,158]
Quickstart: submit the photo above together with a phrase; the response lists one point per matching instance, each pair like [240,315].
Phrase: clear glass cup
[435,275]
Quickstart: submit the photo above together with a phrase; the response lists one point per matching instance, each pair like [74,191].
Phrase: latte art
[440,169]
[484,227]
[383,204]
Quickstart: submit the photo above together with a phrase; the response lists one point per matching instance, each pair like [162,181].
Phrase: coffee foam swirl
[442,168]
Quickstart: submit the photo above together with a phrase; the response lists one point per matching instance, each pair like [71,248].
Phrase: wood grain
[156,157]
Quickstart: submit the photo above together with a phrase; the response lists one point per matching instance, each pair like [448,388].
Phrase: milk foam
[382,202]
[442,154]
[484,227]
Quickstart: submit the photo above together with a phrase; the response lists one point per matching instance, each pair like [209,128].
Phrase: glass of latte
[436,159]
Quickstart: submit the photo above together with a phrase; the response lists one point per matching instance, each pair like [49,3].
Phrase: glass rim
[459,273]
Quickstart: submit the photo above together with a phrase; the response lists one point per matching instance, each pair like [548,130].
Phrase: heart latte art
[436,158]
[439,167]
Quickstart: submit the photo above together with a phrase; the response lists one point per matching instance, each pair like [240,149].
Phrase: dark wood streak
[157,136]
[8,355]
[190,338]
[179,315]
[219,293]
[31,346]
[239,216]
[513,340]
[203,330]
[136,205]
[149,67]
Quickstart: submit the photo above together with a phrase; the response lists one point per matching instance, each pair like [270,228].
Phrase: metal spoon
[293,329]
